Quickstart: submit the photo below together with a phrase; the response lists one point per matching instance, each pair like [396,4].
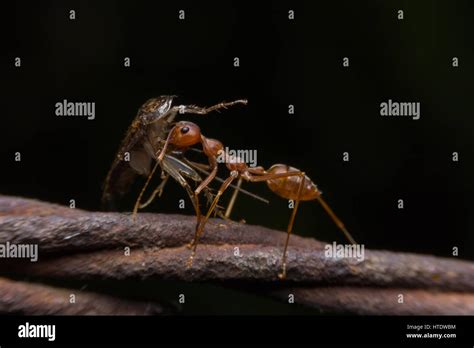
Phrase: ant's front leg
[200,230]
[210,199]
[202,185]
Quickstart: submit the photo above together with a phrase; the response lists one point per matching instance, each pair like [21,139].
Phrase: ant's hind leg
[282,274]
[336,220]
[266,177]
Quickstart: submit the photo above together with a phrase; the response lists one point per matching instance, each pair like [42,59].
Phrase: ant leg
[203,168]
[336,220]
[233,175]
[137,202]
[158,191]
[222,216]
[196,193]
[199,166]
[199,231]
[165,146]
[230,206]
[195,199]
[177,175]
[208,180]
[218,211]
[266,177]
[289,229]
[194,109]
[323,203]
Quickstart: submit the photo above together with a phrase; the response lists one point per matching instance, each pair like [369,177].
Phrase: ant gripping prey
[154,136]
[144,143]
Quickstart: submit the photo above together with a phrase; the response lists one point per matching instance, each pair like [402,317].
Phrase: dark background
[281,62]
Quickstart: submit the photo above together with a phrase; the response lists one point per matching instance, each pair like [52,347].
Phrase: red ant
[287,182]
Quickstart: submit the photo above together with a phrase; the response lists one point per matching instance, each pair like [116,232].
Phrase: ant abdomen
[287,187]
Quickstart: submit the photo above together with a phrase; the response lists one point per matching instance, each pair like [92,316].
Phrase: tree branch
[26,298]
[79,244]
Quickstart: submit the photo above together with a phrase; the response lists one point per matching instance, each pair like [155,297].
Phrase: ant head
[185,134]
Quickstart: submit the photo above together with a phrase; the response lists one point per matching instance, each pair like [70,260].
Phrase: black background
[282,62]
[222,330]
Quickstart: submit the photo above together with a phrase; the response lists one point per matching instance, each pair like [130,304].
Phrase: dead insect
[287,182]
[147,140]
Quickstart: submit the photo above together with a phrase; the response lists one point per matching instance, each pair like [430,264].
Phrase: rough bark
[87,245]
[26,298]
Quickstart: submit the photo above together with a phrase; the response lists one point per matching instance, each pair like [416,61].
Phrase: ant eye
[184,130]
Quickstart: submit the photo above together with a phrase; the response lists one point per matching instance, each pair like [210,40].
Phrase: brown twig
[79,244]
[19,297]
[370,301]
